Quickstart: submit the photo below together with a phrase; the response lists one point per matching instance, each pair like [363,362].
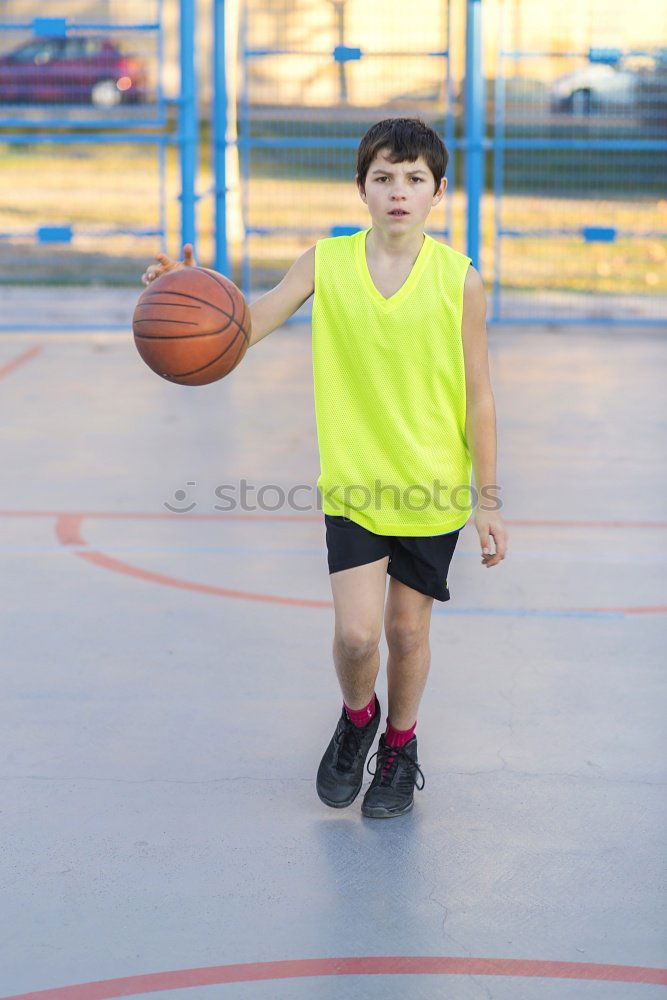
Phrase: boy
[403,405]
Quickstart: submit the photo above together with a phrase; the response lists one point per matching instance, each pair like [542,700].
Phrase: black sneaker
[341,771]
[391,792]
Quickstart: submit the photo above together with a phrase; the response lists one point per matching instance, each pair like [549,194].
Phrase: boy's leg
[359,595]
[407,622]
[359,602]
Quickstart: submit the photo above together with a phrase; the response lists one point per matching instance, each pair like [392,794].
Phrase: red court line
[68,532]
[106,562]
[20,359]
[656,609]
[398,965]
[112,515]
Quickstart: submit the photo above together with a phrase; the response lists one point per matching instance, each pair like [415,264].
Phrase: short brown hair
[405,139]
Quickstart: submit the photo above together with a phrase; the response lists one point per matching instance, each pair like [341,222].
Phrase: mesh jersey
[389,385]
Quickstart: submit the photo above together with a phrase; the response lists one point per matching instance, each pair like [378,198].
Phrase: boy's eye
[420,179]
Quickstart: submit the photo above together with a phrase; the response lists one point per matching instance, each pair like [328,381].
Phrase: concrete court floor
[161,736]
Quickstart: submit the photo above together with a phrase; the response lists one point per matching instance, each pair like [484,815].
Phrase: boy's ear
[440,191]
[360,188]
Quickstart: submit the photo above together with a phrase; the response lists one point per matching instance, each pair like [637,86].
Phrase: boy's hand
[165,264]
[489,523]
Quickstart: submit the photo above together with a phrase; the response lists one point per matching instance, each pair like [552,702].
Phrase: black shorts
[421,563]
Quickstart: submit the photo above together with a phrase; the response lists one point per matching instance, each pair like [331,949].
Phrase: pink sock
[360,717]
[397,738]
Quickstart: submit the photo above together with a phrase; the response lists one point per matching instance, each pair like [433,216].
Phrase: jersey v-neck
[410,282]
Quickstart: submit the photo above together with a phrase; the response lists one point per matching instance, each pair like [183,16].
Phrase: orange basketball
[192,326]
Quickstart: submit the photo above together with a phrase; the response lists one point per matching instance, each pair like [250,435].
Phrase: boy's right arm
[275,307]
[270,310]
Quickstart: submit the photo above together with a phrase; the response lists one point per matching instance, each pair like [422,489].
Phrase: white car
[625,86]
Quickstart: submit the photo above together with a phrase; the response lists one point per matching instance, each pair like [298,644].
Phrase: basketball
[192,326]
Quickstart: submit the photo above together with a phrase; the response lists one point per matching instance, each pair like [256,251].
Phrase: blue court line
[439,608]
[161,549]
[595,557]
[526,612]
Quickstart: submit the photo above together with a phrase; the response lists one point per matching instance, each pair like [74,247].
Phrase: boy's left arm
[480,427]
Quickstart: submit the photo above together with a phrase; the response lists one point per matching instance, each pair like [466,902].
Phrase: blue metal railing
[42,123]
[474,111]
[221,262]
[610,159]
[533,154]
[297,150]
[529,152]
[189,125]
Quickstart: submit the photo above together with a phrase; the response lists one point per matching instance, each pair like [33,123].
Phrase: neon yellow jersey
[390,395]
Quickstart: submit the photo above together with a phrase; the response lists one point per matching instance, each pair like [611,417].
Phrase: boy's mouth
[398,211]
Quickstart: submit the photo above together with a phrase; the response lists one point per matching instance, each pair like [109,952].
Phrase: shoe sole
[339,805]
[377,812]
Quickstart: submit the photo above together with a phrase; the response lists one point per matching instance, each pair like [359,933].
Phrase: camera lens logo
[180,496]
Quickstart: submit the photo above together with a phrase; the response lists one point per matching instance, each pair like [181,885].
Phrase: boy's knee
[405,634]
[357,642]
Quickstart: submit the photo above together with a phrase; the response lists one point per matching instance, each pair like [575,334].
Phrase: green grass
[116,186]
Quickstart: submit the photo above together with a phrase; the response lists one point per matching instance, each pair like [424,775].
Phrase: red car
[75,70]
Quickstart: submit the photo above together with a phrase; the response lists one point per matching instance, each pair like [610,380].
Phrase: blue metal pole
[188,124]
[474,118]
[244,142]
[498,168]
[449,128]
[220,136]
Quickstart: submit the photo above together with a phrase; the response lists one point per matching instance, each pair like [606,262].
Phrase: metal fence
[555,117]
[86,135]
[309,85]
[579,163]
[557,141]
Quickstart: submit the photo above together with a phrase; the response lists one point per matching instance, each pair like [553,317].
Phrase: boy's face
[400,195]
